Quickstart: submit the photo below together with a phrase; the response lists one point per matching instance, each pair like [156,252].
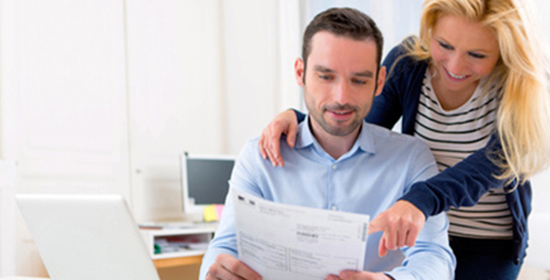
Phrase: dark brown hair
[346,22]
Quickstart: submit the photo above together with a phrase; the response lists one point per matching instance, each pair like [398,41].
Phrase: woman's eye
[445,46]
[477,55]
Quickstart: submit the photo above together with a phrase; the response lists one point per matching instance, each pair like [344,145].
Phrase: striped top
[453,135]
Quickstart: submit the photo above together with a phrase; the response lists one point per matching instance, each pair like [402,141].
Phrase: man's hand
[359,275]
[401,224]
[228,267]
[284,123]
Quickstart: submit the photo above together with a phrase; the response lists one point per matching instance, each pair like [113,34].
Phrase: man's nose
[341,92]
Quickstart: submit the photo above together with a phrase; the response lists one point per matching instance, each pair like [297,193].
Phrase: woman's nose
[456,65]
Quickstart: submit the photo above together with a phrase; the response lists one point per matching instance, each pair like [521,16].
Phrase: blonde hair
[522,73]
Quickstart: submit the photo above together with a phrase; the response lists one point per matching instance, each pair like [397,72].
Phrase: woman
[473,87]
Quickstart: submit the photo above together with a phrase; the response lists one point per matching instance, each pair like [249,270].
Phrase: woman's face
[463,52]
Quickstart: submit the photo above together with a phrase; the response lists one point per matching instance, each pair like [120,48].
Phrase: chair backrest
[7,218]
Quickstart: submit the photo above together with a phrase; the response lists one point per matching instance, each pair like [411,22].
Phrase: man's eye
[358,82]
[325,77]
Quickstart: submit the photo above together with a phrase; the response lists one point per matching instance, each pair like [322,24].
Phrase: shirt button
[334,208]
[334,166]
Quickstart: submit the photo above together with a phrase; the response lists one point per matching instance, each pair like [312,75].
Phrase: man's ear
[381,80]
[299,71]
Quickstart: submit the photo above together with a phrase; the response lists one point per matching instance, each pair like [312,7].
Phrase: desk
[176,261]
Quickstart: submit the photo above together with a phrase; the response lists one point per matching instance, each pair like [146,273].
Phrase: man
[340,162]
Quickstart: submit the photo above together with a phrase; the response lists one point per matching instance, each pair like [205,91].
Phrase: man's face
[340,82]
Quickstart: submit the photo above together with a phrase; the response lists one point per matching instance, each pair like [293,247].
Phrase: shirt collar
[364,142]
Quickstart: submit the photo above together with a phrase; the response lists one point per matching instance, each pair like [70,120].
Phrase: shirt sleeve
[430,257]
[225,240]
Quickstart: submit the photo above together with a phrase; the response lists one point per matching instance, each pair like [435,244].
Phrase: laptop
[87,237]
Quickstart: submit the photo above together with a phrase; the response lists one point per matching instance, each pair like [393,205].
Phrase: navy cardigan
[460,185]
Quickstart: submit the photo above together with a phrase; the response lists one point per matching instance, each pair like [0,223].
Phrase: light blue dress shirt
[368,179]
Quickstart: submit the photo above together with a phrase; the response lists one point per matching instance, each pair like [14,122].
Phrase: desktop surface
[21,278]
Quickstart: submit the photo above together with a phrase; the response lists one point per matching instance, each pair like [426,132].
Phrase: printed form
[282,241]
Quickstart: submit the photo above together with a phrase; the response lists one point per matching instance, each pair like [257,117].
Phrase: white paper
[290,242]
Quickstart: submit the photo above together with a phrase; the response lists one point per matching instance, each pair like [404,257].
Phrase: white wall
[202,79]
[175,100]
[258,77]
[99,96]
[102,96]
[541,182]
[539,221]
[7,218]
[63,91]
[396,19]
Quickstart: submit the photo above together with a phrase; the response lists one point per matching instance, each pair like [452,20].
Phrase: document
[282,241]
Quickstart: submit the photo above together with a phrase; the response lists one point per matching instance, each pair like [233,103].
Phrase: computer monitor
[205,180]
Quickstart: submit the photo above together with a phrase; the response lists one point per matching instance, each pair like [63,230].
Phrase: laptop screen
[87,237]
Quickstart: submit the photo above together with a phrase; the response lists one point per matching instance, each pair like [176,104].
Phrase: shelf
[189,253]
[173,238]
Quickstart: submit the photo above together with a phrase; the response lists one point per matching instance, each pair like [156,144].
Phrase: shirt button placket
[334,207]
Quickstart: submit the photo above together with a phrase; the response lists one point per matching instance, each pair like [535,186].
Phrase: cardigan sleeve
[301,116]
[460,185]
